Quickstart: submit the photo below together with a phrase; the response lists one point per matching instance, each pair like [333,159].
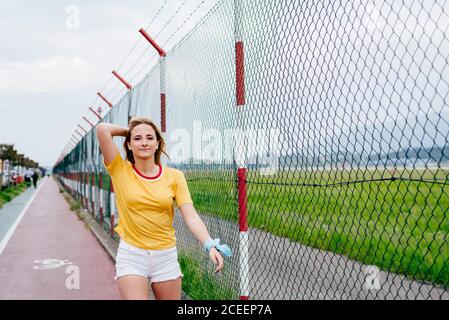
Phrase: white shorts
[157,265]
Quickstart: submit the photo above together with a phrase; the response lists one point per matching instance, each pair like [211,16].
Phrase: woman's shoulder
[125,164]
[172,171]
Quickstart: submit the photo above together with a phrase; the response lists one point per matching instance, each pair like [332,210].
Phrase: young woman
[145,191]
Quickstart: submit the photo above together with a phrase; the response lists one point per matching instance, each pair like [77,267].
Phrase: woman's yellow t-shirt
[146,205]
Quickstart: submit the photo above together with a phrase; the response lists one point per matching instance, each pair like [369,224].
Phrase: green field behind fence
[201,284]
[401,226]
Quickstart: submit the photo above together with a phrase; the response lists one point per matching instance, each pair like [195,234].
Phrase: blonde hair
[134,122]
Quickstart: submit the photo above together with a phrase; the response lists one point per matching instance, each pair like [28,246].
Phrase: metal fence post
[241,158]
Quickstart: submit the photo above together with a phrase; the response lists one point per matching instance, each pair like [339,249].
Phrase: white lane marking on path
[16,223]
[50,263]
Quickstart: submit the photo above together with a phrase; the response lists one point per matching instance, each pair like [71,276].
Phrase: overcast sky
[55,55]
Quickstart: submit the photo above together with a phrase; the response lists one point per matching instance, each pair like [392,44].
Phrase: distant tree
[8,152]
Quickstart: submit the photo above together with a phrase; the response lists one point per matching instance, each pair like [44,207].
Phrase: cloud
[55,73]
[49,73]
[43,55]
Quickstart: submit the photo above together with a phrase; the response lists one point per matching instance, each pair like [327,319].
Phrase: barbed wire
[108,93]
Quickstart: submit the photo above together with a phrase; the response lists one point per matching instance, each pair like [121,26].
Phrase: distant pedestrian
[35,177]
[28,176]
[14,178]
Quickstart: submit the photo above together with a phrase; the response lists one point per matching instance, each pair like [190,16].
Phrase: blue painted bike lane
[12,212]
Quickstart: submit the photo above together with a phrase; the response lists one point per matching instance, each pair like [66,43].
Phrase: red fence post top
[161,51]
[88,122]
[104,99]
[99,117]
[79,134]
[122,80]
[82,128]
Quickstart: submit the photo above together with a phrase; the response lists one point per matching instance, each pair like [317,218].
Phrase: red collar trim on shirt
[149,178]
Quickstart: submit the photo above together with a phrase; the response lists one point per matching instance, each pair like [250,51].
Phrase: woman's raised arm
[105,134]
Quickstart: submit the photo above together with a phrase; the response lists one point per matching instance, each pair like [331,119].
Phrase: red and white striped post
[112,206]
[78,191]
[162,55]
[85,183]
[92,198]
[86,189]
[163,96]
[77,184]
[82,189]
[112,193]
[75,177]
[69,176]
[242,171]
[101,199]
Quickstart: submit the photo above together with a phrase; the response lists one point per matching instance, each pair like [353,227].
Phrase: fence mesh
[325,125]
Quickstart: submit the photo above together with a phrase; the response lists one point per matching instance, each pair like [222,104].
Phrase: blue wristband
[222,248]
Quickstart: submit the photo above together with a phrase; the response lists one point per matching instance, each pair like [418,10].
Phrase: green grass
[199,284]
[11,192]
[75,206]
[400,226]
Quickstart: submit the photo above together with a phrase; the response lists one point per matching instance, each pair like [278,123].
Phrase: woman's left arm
[199,230]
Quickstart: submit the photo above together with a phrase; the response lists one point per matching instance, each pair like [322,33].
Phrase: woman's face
[143,142]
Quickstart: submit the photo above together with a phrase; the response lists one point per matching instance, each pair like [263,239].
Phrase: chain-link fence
[314,138]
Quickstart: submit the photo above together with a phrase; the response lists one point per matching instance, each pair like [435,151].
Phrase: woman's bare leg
[133,287]
[167,290]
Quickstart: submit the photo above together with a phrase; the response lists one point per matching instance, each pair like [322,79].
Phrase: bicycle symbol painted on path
[72,282]
[45,264]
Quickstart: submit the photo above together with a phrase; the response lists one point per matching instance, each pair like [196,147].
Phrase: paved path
[281,269]
[49,249]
